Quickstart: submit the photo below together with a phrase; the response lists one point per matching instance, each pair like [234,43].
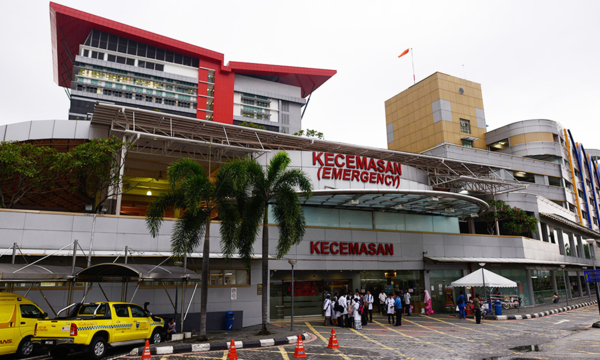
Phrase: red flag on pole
[403,53]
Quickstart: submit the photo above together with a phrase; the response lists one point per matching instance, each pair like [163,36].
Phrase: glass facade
[543,289]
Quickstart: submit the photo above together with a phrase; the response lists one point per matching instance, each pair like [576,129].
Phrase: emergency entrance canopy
[491,279]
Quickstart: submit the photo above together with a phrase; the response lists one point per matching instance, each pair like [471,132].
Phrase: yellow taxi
[93,327]
[18,316]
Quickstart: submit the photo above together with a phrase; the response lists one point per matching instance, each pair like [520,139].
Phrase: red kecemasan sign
[350,248]
[357,168]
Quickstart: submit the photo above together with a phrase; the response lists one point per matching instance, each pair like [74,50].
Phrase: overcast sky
[534,59]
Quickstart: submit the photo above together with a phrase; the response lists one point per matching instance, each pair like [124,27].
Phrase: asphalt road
[560,336]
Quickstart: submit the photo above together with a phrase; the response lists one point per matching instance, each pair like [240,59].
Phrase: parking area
[442,337]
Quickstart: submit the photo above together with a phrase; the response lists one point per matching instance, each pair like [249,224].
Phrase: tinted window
[121,310]
[31,312]
[137,311]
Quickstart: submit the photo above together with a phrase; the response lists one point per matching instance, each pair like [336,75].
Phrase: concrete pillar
[579,284]
[471,223]
[530,286]
[426,281]
[554,285]
[560,241]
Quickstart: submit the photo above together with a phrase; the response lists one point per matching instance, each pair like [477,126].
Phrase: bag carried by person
[350,310]
[361,309]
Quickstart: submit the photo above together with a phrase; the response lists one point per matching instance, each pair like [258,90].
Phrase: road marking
[378,343]
[225,354]
[445,322]
[412,337]
[326,341]
[440,332]
[560,322]
[284,354]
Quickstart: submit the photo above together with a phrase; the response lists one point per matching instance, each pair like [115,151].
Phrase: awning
[410,201]
[483,277]
[111,272]
[573,225]
[504,261]
[35,273]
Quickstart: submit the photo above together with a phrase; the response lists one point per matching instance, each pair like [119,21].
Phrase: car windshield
[88,309]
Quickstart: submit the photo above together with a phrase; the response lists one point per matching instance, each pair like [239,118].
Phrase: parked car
[18,316]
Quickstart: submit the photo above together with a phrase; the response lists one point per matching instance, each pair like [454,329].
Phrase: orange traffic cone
[146,354]
[232,354]
[299,353]
[333,344]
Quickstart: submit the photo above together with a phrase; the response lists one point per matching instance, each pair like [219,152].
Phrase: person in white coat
[327,307]
[382,306]
[344,313]
[357,314]
[369,300]
[391,309]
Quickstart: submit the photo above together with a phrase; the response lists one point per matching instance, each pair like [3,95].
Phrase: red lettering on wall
[380,250]
[389,249]
[350,161]
[329,159]
[343,248]
[390,168]
[325,247]
[364,176]
[361,162]
[398,169]
[336,251]
[326,172]
[355,175]
[337,173]
[338,164]
[347,174]
[372,164]
[317,158]
[314,247]
[372,249]
[373,178]
[380,165]
[354,248]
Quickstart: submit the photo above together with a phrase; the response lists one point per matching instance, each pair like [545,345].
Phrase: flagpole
[413,65]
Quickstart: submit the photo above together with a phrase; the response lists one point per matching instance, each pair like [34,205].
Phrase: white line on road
[560,322]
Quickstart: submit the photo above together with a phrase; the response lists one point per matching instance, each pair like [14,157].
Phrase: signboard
[303,288]
[592,275]
[350,248]
[258,289]
[233,293]
[357,168]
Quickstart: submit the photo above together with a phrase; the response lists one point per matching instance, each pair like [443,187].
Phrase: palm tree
[194,193]
[257,189]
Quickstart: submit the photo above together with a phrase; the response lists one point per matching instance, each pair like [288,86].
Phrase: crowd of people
[356,310]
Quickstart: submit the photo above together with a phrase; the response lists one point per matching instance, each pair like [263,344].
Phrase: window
[121,310]
[139,97]
[112,58]
[554,181]
[148,98]
[128,96]
[467,143]
[31,312]
[229,277]
[169,102]
[137,311]
[158,100]
[285,106]
[580,193]
[86,53]
[465,126]
[107,92]
[183,104]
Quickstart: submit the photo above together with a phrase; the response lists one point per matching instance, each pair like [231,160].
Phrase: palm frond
[290,218]
[172,199]
[296,178]
[187,233]
[277,166]
[183,168]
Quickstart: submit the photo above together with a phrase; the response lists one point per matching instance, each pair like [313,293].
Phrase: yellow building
[438,109]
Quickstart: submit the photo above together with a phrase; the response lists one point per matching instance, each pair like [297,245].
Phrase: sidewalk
[546,306]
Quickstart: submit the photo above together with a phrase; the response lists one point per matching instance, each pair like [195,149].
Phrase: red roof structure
[70,28]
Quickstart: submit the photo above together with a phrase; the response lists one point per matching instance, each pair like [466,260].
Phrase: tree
[310,133]
[514,221]
[93,169]
[253,125]
[26,169]
[194,193]
[271,186]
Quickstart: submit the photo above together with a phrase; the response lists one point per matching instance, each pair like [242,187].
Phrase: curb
[540,314]
[188,348]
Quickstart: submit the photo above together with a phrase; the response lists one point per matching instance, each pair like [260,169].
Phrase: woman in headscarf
[357,314]
[328,308]
[336,314]
[428,308]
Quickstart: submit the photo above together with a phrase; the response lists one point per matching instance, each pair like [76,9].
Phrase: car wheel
[59,353]
[156,337]
[97,348]
[25,347]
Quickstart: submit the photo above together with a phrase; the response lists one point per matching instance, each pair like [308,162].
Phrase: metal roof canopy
[123,118]
[415,201]
[35,273]
[573,225]
[503,261]
[113,272]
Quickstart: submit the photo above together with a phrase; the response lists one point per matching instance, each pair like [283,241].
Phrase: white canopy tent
[483,277]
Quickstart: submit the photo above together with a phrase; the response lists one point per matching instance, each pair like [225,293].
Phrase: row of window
[572,245]
[102,40]
[152,82]
[135,96]
[122,60]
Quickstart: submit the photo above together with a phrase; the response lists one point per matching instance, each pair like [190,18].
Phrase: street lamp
[292,262]
[588,288]
[591,242]
[482,264]
[566,287]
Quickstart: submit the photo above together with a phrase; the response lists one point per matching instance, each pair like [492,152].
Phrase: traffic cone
[146,354]
[299,353]
[333,344]
[232,354]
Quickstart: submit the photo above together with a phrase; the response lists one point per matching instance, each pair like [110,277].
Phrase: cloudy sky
[534,59]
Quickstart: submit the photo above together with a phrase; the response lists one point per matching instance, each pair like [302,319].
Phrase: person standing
[390,309]
[477,305]
[407,302]
[334,312]
[428,308]
[382,305]
[369,301]
[344,311]
[398,305]
[357,315]
[327,307]
[349,317]
[461,303]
